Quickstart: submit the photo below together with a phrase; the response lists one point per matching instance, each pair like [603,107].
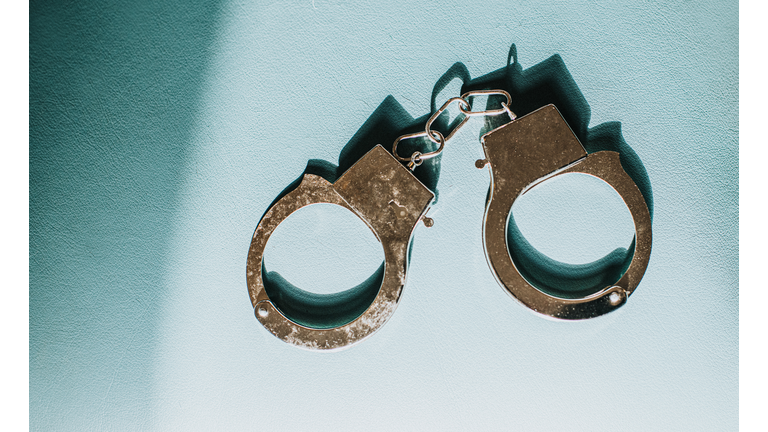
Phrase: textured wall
[160,133]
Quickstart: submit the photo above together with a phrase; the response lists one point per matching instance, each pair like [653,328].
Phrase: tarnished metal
[384,195]
[532,149]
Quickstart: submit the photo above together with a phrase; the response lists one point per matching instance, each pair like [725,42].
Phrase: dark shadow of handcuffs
[548,82]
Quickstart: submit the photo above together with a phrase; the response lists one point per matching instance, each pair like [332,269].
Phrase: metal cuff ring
[384,195]
[535,148]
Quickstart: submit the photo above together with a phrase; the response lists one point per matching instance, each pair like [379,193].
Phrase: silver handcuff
[391,201]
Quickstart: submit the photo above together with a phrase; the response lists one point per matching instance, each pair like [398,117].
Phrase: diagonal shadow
[113,91]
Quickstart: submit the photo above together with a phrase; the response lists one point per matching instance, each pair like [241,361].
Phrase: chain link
[417,158]
[465,106]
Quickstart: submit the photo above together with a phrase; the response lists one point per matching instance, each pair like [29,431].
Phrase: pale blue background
[159,134]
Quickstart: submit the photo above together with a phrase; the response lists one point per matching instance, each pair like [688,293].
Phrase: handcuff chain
[465,106]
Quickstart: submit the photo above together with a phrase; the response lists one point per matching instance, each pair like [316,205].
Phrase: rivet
[614,298]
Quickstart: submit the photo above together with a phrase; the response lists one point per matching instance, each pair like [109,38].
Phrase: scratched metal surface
[160,133]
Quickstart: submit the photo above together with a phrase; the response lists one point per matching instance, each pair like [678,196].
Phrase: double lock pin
[385,194]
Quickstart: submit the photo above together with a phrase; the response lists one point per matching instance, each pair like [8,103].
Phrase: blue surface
[160,133]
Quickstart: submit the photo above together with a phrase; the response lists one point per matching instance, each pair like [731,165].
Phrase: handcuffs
[391,201]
